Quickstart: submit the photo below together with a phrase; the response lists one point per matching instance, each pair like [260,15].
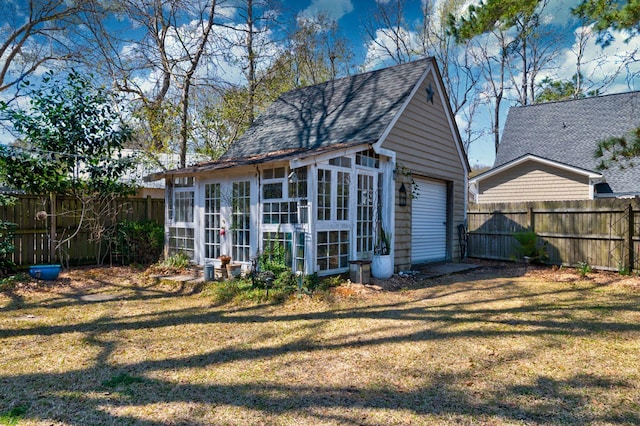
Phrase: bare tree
[158,54]
[459,72]
[392,37]
[491,54]
[34,34]
[192,58]
[389,33]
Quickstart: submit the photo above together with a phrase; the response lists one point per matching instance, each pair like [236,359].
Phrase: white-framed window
[324,194]
[241,221]
[366,207]
[368,158]
[281,193]
[278,246]
[333,194]
[181,240]
[332,250]
[343,182]
[182,204]
[212,220]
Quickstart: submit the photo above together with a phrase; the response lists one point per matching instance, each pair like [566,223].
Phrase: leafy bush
[242,290]
[274,259]
[529,247]
[10,282]
[139,241]
[177,261]
[6,240]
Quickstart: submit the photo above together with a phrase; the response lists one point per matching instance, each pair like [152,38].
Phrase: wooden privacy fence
[33,230]
[604,233]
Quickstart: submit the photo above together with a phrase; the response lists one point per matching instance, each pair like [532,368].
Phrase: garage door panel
[429,222]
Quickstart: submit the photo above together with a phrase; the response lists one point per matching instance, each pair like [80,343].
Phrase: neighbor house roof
[530,157]
[568,132]
[340,113]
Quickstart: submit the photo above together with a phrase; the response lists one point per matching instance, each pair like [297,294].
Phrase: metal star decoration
[430,93]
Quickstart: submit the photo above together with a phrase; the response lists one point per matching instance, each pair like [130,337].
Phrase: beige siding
[533,181]
[424,143]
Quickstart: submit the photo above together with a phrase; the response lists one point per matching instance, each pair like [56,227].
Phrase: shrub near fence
[604,233]
[32,234]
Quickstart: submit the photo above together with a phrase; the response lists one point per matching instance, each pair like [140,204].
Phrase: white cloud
[609,66]
[334,9]
[384,50]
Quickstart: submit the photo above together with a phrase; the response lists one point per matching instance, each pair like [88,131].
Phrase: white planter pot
[382,266]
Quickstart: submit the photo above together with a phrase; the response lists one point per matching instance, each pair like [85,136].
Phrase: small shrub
[6,239]
[10,282]
[622,270]
[583,269]
[274,259]
[177,261]
[139,241]
[529,246]
[237,290]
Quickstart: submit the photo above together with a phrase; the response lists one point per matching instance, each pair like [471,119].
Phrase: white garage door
[429,222]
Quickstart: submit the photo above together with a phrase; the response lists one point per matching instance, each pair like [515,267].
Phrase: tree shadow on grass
[93,394]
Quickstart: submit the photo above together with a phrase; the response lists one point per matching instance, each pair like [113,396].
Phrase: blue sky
[350,14]
[597,63]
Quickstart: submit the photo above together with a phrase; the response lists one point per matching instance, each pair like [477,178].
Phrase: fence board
[31,237]
[604,233]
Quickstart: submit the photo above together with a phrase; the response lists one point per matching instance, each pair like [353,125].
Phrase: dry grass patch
[496,346]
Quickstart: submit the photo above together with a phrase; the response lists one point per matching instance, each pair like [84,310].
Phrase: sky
[351,14]
[597,62]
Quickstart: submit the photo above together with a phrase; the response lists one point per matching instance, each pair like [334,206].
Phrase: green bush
[177,261]
[6,240]
[530,247]
[139,241]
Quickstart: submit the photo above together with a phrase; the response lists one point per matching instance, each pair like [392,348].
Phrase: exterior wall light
[402,196]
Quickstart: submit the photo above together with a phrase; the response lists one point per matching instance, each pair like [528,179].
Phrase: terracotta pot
[225,260]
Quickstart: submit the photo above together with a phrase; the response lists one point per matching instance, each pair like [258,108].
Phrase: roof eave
[298,153]
[530,157]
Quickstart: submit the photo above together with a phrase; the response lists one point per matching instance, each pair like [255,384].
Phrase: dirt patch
[81,279]
[85,279]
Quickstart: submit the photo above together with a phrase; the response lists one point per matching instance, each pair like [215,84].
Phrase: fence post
[53,227]
[148,208]
[530,220]
[628,260]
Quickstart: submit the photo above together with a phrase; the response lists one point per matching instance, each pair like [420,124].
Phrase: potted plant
[382,262]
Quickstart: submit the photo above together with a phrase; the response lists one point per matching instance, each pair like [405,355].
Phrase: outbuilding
[328,173]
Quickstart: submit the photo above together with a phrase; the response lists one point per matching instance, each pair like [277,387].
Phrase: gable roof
[568,132]
[530,157]
[345,112]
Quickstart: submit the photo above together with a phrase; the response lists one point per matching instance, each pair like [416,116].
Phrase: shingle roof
[568,132]
[349,111]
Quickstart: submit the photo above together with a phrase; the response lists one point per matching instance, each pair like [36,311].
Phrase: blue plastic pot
[45,272]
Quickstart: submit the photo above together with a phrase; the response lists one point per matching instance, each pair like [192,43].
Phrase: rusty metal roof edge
[214,165]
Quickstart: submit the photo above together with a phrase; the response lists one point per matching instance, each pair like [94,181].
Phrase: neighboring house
[547,152]
[323,169]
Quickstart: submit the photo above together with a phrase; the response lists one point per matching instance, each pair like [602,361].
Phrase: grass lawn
[496,346]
